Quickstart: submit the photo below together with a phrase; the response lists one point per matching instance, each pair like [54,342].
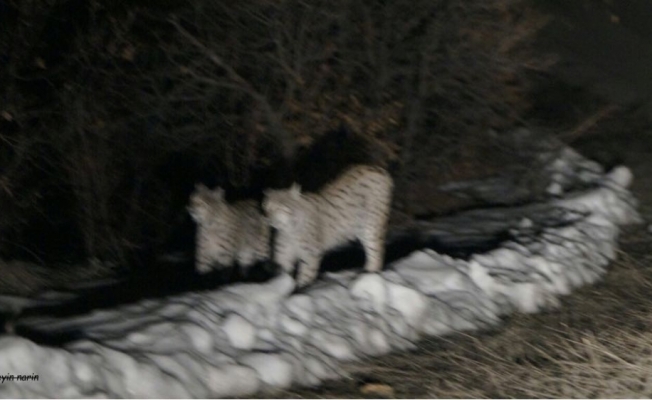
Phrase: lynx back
[355,206]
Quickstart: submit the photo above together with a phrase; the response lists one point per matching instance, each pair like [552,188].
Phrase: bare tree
[238,88]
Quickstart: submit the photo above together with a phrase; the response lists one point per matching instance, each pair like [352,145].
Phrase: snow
[247,338]
[369,290]
[230,381]
[271,368]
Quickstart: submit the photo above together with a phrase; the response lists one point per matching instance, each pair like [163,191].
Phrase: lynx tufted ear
[295,190]
[200,188]
[219,193]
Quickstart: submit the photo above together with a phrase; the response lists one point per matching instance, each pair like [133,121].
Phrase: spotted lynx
[227,233]
[355,206]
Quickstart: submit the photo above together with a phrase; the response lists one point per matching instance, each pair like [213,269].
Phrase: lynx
[227,233]
[355,206]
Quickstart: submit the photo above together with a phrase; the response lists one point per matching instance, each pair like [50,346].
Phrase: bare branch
[285,140]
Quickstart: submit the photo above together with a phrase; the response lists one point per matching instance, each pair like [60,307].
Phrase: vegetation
[112,111]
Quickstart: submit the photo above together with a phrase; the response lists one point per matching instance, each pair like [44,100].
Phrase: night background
[112,111]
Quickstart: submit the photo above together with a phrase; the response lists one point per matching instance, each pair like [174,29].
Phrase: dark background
[110,112]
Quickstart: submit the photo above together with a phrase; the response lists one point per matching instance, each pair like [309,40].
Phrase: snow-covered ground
[251,337]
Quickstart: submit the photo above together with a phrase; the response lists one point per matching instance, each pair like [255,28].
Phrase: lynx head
[281,207]
[205,203]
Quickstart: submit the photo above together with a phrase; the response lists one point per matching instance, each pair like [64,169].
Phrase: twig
[286,142]
[589,123]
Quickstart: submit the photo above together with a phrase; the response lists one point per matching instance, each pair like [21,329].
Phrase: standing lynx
[227,233]
[355,206]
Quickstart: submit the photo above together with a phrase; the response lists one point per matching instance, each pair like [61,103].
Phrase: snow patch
[241,333]
[272,369]
[246,338]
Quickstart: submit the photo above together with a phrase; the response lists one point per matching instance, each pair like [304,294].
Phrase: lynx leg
[373,249]
[374,245]
[202,267]
[202,260]
[284,255]
[308,271]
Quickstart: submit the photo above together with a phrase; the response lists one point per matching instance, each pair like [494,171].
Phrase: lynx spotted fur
[227,233]
[355,206]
